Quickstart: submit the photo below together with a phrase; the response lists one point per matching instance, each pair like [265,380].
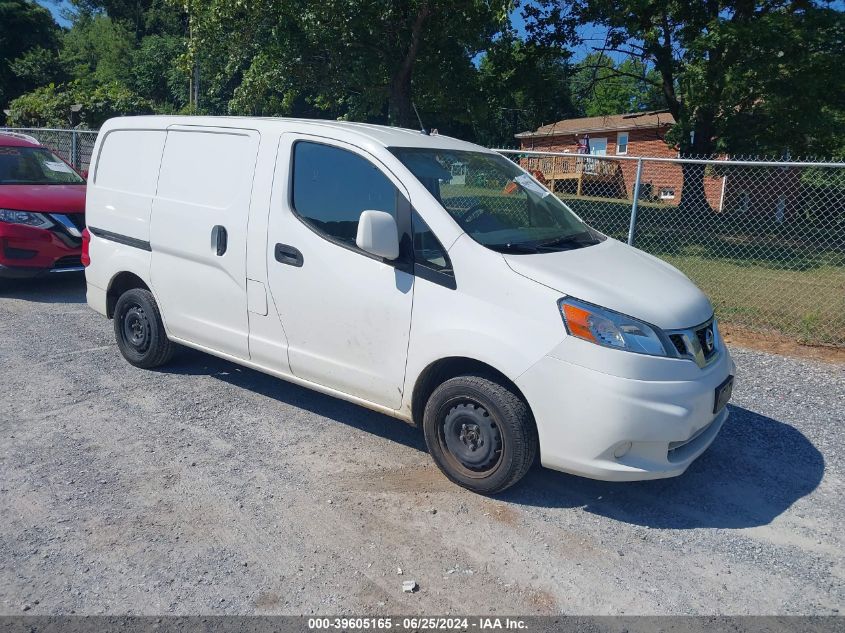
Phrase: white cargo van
[421,276]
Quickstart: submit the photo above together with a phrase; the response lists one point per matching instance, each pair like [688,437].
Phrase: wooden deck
[578,167]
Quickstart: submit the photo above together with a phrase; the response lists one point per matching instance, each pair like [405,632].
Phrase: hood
[621,278]
[46,198]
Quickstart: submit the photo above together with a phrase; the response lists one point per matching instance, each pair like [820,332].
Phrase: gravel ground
[210,488]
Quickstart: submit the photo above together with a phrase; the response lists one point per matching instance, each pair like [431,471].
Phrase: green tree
[720,65]
[142,17]
[98,50]
[522,86]
[788,94]
[29,41]
[155,74]
[50,105]
[366,61]
[603,86]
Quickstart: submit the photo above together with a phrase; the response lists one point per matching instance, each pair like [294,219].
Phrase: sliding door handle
[220,239]
[288,255]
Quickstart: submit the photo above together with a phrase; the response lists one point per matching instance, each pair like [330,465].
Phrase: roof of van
[379,134]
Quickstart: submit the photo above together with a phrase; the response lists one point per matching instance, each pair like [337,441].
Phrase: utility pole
[194,77]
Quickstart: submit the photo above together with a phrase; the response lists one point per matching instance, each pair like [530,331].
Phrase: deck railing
[558,166]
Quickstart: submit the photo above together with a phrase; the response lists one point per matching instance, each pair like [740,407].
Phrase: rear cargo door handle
[220,239]
[288,255]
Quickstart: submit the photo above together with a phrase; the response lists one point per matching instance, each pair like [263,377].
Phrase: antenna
[422,127]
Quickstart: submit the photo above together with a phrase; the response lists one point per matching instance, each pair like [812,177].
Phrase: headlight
[610,329]
[27,218]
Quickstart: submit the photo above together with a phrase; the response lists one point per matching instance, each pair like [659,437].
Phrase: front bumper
[619,428]
[30,252]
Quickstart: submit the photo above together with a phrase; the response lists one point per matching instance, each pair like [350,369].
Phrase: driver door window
[332,186]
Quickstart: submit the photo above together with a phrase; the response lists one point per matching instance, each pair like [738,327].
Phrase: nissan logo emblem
[708,340]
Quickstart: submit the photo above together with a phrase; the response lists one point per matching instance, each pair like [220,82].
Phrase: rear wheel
[480,433]
[139,330]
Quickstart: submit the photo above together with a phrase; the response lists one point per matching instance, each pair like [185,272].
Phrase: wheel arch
[119,284]
[441,370]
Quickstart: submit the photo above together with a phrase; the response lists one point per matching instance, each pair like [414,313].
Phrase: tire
[480,433]
[139,330]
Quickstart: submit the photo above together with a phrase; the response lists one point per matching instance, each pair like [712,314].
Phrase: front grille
[18,253]
[78,220]
[71,261]
[678,342]
[68,227]
[696,343]
[707,346]
[676,445]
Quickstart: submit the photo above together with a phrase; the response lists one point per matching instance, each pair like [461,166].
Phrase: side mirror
[378,234]
[84,174]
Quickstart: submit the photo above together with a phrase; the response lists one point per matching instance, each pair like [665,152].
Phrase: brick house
[619,135]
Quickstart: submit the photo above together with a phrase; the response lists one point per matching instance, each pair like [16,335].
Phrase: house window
[667,193]
[622,143]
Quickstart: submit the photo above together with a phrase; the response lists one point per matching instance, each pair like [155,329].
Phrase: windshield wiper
[516,247]
[578,240]
[566,242]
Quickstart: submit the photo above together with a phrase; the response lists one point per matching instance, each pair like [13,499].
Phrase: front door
[198,236]
[347,314]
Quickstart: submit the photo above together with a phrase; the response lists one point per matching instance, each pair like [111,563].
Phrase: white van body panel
[612,273]
[123,197]
[365,330]
[347,316]
[482,321]
[205,182]
[108,260]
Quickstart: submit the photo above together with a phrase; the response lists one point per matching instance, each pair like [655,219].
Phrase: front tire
[480,433]
[139,330]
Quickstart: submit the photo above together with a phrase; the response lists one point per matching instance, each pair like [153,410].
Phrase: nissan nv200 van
[418,275]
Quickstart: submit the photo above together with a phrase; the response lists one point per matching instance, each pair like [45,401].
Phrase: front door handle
[288,255]
[220,239]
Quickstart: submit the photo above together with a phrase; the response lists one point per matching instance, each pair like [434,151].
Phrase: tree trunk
[400,101]
[693,195]
[400,85]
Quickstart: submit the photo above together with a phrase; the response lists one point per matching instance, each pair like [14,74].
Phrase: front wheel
[480,433]
[139,330]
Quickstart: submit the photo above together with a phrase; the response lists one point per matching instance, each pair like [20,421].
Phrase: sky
[55,9]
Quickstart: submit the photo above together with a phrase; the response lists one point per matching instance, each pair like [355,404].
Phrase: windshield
[496,203]
[34,166]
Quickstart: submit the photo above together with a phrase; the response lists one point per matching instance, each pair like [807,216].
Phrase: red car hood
[47,198]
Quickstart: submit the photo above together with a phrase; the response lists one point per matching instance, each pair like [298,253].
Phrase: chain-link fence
[75,146]
[765,240]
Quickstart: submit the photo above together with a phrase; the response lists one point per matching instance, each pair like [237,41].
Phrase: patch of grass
[808,305]
[764,276]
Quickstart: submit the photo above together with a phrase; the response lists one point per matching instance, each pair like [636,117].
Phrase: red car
[42,210]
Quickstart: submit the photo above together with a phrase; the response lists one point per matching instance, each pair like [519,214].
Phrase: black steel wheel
[471,438]
[480,433]
[139,330]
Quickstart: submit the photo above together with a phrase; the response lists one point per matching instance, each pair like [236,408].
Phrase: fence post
[635,204]
[74,155]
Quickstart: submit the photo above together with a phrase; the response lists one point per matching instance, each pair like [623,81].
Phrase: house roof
[607,123]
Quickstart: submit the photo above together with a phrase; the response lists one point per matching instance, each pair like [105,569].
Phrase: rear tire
[480,433]
[139,330]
